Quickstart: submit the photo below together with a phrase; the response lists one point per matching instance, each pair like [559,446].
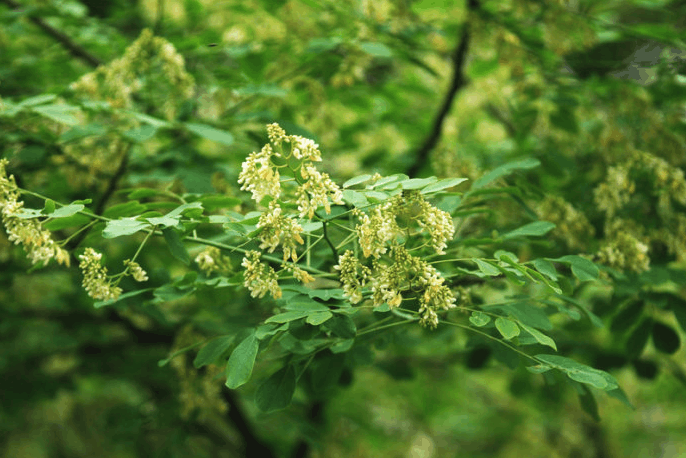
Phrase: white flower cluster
[315,192]
[258,176]
[379,233]
[95,280]
[438,223]
[279,230]
[376,231]
[353,276]
[259,278]
[150,60]
[212,260]
[28,232]
[411,273]
[298,273]
[626,252]
[136,271]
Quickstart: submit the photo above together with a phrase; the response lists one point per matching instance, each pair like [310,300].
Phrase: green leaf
[679,313]
[66,211]
[156,122]
[356,180]
[629,315]
[100,304]
[211,133]
[480,67]
[595,319]
[287,316]
[318,318]
[417,183]
[267,330]
[326,371]
[141,193]
[82,131]
[389,182]
[212,351]
[618,393]
[276,392]
[565,119]
[320,45]
[582,268]
[550,283]
[638,338]
[536,228]
[505,169]
[301,304]
[49,206]
[355,198]
[580,372]
[539,336]
[264,90]
[175,245]
[376,49]
[124,226]
[440,185]
[487,268]
[507,328]
[343,346]
[28,213]
[126,209]
[37,100]
[342,326]
[665,338]
[528,314]
[241,362]
[141,134]
[546,268]
[587,401]
[479,319]
[172,218]
[63,223]
[60,113]
[213,202]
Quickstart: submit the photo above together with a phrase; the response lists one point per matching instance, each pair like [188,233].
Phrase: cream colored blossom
[376,231]
[412,274]
[26,230]
[279,230]
[438,223]
[626,252]
[136,271]
[572,226]
[353,276]
[259,176]
[95,280]
[276,134]
[258,277]
[212,260]
[316,191]
[298,273]
[304,148]
[150,63]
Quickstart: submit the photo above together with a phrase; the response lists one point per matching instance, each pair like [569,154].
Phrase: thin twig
[74,48]
[326,237]
[457,82]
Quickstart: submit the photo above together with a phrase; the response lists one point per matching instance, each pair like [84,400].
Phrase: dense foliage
[303,228]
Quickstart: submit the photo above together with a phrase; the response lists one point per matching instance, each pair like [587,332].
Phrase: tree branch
[75,49]
[457,82]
